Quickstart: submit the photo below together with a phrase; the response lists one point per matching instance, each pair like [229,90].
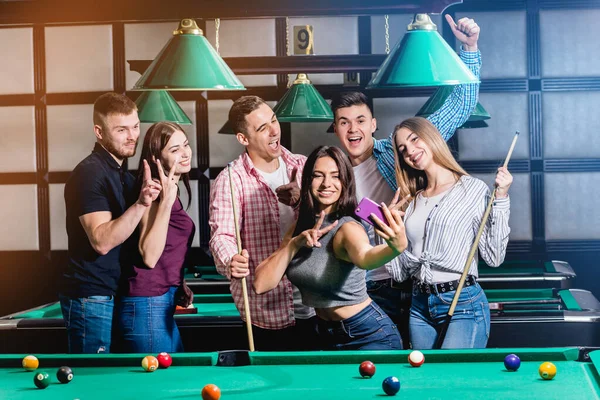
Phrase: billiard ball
[547,370]
[41,379]
[512,362]
[391,385]
[164,360]
[64,374]
[30,363]
[149,363]
[211,392]
[366,369]
[416,358]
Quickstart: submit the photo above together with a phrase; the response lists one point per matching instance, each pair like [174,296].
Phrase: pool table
[519,318]
[511,274]
[446,374]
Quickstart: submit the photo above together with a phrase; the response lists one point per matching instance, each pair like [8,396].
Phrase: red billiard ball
[366,369]
[416,358]
[164,360]
[211,392]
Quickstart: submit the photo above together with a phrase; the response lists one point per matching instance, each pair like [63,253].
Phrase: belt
[442,287]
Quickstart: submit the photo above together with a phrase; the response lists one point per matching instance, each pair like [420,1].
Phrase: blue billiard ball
[391,385]
[512,362]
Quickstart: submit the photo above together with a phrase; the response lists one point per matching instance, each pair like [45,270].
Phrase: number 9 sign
[303,39]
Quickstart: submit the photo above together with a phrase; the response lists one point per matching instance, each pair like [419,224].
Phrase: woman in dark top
[146,310]
[327,252]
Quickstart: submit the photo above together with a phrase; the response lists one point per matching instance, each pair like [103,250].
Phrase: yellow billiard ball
[30,363]
[547,370]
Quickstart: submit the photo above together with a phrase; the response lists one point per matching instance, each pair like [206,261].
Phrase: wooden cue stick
[463,277]
[239,246]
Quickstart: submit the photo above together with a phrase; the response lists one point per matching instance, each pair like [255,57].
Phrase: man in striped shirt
[374,166]
[265,179]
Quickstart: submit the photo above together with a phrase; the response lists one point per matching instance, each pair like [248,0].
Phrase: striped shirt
[450,231]
[454,112]
[258,217]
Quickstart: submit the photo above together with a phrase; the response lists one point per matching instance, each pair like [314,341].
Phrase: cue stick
[239,246]
[440,340]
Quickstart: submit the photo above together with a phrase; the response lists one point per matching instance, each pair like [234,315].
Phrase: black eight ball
[64,374]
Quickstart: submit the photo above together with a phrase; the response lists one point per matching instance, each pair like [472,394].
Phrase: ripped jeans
[89,323]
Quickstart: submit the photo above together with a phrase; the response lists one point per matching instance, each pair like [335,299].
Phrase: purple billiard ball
[512,362]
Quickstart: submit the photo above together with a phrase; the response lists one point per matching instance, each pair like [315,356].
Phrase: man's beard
[119,153]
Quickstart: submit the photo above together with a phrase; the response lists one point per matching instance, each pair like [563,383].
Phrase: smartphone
[366,207]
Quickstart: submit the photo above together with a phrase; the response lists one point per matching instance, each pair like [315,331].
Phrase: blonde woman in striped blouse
[441,224]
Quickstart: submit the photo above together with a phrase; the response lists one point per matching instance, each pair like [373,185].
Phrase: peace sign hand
[310,237]
[394,234]
[399,205]
[150,188]
[168,183]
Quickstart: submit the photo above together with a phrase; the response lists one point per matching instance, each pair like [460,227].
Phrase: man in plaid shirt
[374,164]
[265,179]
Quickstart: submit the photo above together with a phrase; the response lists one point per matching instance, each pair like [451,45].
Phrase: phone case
[366,207]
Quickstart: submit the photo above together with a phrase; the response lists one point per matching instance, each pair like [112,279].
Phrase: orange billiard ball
[211,392]
[547,370]
[30,363]
[149,363]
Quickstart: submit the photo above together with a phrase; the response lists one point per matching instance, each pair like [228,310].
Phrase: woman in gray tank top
[327,252]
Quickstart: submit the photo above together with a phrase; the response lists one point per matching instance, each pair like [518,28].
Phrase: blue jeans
[370,329]
[89,323]
[146,324]
[394,299]
[470,324]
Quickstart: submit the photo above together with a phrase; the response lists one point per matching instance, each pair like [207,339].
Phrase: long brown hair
[346,204]
[157,137]
[410,180]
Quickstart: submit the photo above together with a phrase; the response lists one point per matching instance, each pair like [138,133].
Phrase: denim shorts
[369,329]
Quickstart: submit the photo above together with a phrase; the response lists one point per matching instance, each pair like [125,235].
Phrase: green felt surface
[221,305]
[466,374]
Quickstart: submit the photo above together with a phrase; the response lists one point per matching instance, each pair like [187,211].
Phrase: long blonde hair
[411,181]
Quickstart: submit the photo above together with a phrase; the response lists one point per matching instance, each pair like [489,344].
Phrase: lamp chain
[287,46]
[217,26]
[387,34]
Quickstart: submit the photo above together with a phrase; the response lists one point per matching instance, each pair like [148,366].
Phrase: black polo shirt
[98,183]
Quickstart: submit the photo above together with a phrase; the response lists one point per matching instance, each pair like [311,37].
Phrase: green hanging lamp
[421,58]
[188,62]
[435,102]
[303,103]
[159,105]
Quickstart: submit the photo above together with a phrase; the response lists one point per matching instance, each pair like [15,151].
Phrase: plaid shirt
[258,217]
[454,112]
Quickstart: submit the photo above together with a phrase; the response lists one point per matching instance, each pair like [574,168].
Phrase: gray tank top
[325,281]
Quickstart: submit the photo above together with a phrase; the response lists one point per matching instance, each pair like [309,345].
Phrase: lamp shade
[188,62]
[227,129]
[159,105]
[422,58]
[303,103]
[435,102]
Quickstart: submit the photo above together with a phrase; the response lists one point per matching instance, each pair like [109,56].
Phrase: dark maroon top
[168,272]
